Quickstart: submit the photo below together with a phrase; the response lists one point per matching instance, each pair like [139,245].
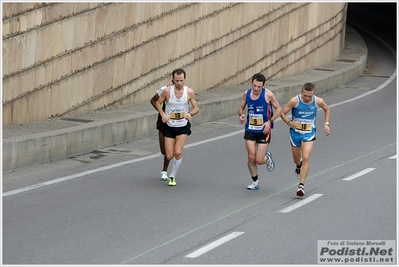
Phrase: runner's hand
[165,118]
[267,127]
[242,118]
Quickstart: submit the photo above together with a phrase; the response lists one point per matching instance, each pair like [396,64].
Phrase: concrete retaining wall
[72,58]
[78,140]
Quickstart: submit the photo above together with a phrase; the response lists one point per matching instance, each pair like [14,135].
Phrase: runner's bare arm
[158,104]
[242,107]
[275,104]
[289,106]
[320,103]
[193,102]
[153,100]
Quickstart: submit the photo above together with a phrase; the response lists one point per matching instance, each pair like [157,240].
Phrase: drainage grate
[324,69]
[376,76]
[347,60]
[76,120]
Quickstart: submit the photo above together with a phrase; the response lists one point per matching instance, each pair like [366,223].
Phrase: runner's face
[178,80]
[256,87]
[307,96]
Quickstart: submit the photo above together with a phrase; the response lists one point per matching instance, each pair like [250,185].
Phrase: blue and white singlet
[259,111]
[305,115]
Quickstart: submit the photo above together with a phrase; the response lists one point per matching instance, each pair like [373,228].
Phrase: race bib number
[255,122]
[304,126]
[177,115]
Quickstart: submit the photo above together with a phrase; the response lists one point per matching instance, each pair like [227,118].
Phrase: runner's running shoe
[298,168]
[254,185]
[172,181]
[164,176]
[270,163]
[300,192]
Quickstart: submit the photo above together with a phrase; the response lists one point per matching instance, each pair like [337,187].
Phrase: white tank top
[176,108]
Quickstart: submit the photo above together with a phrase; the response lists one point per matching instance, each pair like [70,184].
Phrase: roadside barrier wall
[72,58]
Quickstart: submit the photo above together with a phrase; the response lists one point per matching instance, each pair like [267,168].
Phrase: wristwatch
[327,123]
[271,121]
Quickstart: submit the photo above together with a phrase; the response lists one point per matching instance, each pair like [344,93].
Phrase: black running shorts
[172,132]
[260,138]
[160,125]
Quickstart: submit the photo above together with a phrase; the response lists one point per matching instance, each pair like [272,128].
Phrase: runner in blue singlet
[303,108]
[259,123]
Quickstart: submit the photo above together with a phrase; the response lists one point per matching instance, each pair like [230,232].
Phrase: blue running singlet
[259,111]
[305,115]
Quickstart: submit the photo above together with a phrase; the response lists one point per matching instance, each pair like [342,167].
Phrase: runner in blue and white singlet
[302,125]
[259,111]
[305,116]
[260,103]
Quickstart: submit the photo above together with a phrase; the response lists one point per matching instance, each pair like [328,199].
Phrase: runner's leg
[307,148]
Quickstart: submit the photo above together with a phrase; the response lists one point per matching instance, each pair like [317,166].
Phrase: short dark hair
[259,77]
[178,72]
[309,87]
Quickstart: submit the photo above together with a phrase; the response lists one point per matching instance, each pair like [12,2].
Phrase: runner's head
[178,78]
[257,83]
[307,92]
[259,77]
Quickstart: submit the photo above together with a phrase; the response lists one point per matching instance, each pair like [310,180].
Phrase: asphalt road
[110,207]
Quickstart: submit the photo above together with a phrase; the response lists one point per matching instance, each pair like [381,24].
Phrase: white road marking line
[213,245]
[356,175]
[80,174]
[213,139]
[301,203]
[105,168]
[394,157]
[17,191]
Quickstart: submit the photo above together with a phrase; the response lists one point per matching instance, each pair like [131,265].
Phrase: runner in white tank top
[177,116]
[177,108]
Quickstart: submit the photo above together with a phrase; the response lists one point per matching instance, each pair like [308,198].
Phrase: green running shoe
[172,181]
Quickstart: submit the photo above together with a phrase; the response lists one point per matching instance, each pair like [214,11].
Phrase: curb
[78,140]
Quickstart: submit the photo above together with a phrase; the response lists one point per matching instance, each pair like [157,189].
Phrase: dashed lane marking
[301,203]
[213,245]
[356,175]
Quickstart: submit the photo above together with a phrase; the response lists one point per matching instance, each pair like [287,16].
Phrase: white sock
[175,167]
